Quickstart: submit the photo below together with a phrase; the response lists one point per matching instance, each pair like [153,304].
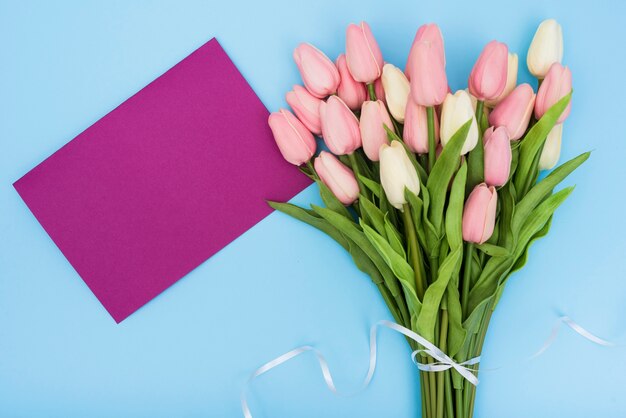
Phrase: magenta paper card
[161,183]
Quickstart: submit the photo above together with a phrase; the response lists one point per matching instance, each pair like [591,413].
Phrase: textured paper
[161,183]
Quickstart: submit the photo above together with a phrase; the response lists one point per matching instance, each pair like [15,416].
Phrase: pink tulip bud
[497,156]
[514,111]
[488,77]
[306,107]
[379,90]
[337,177]
[294,140]
[340,128]
[479,214]
[556,85]
[350,91]
[363,55]
[318,72]
[430,33]
[415,133]
[429,84]
[373,116]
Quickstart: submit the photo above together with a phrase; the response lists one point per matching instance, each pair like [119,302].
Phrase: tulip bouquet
[436,195]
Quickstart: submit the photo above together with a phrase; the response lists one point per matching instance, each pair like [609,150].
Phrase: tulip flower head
[429,33]
[545,49]
[456,110]
[306,107]
[429,83]
[373,116]
[350,91]
[514,111]
[337,177]
[489,75]
[363,55]
[397,173]
[497,162]
[415,132]
[397,90]
[479,214]
[340,128]
[511,80]
[295,142]
[318,72]
[551,149]
[556,85]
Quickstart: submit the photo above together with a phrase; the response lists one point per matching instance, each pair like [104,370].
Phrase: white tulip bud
[546,48]
[397,173]
[551,149]
[397,90]
[457,109]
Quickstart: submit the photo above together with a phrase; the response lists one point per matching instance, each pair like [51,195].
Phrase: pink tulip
[379,90]
[556,85]
[430,33]
[488,77]
[337,177]
[350,91]
[514,111]
[479,214]
[363,55]
[306,107]
[497,156]
[429,84]
[415,133]
[340,128]
[318,72]
[294,140]
[373,134]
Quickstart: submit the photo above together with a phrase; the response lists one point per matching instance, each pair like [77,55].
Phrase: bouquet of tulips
[435,195]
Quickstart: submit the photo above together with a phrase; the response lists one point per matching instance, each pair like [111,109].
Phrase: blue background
[282,284]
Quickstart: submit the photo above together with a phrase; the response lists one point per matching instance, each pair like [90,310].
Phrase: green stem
[312,168]
[458,401]
[443,345]
[432,149]
[414,251]
[479,116]
[372,91]
[467,277]
[449,399]
[477,351]
[357,173]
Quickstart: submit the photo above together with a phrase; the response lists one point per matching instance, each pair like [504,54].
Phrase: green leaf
[533,142]
[374,215]
[402,270]
[352,231]
[441,174]
[394,238]
[493,250]
[521,261]
[542,189]
[456,332]
[432,298]
[454,214]
[331,201]
[309,217]
[416,205]
[371,185]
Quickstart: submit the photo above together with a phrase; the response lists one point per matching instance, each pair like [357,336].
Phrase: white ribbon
[443,361]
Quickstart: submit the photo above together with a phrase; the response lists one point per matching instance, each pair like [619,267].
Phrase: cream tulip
[397,90]
[546,48]
[551,149]
[397,173]
[456,110]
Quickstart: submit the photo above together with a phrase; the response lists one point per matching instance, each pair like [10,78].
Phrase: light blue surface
[282,284]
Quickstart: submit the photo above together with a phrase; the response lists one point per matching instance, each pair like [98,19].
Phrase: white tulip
[457,109]
[511,80]
[546,48]
[397,90]
[552,148]
[397,173]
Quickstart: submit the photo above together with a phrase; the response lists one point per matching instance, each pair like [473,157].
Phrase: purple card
[161,183]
